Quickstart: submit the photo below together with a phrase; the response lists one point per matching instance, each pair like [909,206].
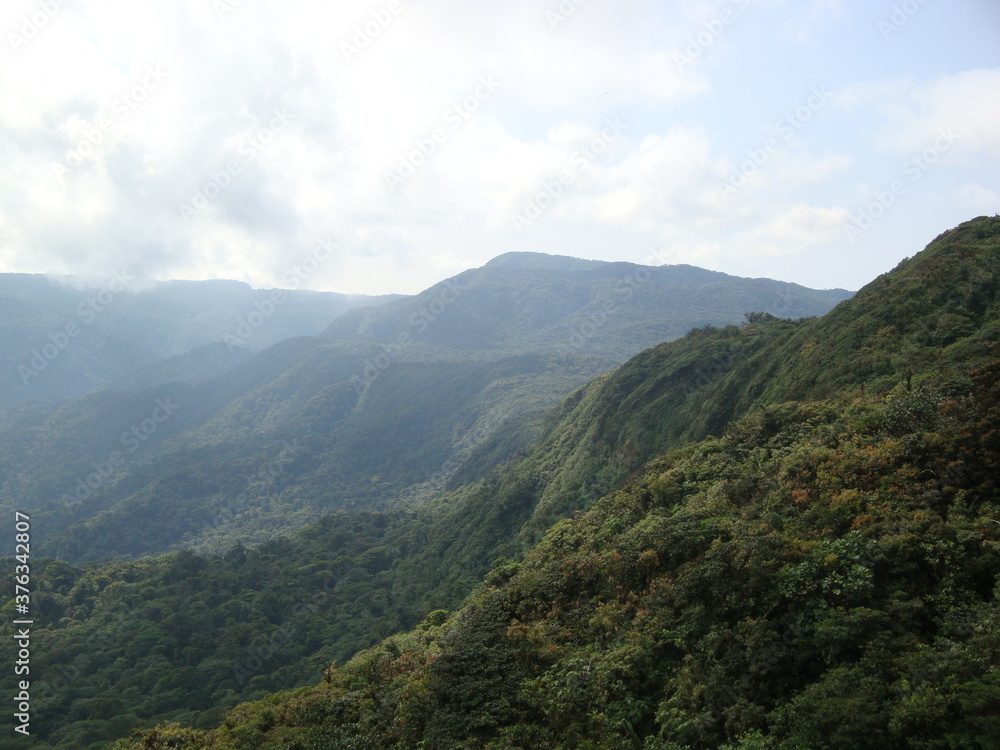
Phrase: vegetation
[185,637]
[220,471]
[824,575]
[536,302]
[423,396]
[781,535]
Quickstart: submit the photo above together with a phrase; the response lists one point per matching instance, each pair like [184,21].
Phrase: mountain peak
[525,261]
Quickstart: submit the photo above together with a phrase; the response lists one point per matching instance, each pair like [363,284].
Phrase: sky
[383,146]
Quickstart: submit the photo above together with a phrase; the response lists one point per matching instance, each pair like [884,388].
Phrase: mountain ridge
[337,392]
[531,301]
[798,547]
[645,528]
[70,337]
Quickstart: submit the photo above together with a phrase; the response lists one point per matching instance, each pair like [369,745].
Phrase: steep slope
[812,579]
[367,422]
[824,574]
[934,314]
[943,310]
[692,388]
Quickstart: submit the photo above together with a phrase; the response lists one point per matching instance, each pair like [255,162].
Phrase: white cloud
[354,121]
[980,199]
[662,179]
[798,230]
[915,113]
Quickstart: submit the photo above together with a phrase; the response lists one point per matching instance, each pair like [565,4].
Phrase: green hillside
[822,576]
[755,547]
[822,573]
[537,302]
[222,468]
[370,420]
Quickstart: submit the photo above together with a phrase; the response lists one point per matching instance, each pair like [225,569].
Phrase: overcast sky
[815,141]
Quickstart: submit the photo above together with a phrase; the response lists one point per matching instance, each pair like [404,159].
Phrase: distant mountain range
[546,303]
[67,336]
[392,400]
[778,534]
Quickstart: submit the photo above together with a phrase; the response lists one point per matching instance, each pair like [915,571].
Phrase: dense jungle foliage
[779,535]
[392,401]
[824,575]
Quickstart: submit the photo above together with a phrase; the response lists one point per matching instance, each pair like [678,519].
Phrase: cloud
[980,199]
[915,112]
[664,179]
[173,164]
[176,172]
[800,229]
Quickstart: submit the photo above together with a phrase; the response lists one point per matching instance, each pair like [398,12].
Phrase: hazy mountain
[806,539]
[536,302]
[371,419]
[67,336]
[823,573]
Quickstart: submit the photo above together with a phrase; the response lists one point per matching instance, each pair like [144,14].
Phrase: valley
[745,535]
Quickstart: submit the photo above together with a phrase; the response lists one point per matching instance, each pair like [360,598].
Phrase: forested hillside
[745,538]
[537,302]
[213,447]
[819,572]
[822,576]
[214,473]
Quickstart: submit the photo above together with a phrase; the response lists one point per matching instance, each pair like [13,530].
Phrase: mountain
[345,420]
[823,573]
[536,302]
[933,316]
[794,583]
[781,535]
[280,456]
[66,336]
